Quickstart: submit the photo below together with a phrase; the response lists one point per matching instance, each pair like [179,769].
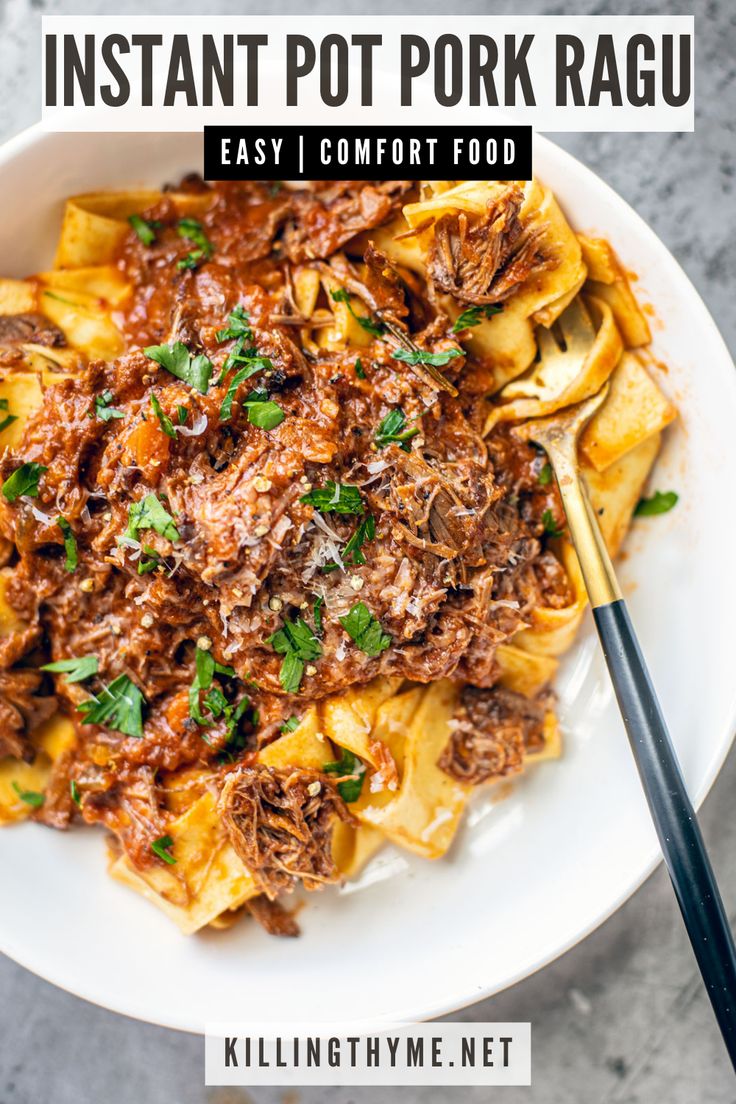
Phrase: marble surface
[622,1018]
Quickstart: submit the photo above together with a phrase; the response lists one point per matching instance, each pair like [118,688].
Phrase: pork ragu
[255,523]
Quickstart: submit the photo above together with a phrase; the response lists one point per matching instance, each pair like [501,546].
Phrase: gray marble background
[622,1018]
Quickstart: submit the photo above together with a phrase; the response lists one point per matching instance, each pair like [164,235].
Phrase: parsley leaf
[296,642]
[146,566]
[117,706]
[160,848]
[76,669]
[195,371]
[392,429]
[335,498]
[359,369]
[473,316]
[150,514]
[365,321]
[262,412]
[181,414]
[70,544]
[317,614]
[237,326]
[9,418]
[29,796]
[145,228]
[366,531]
[191,230]
[290,725]
[550,525]
[164,420]
[251,365]
[422,356]
[205,670]
[348,764]
[23,481]
[661,502]
[545,474]
[103,409]
[74,791]
[365,630]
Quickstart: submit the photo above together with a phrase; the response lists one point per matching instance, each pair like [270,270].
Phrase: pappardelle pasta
[280,582]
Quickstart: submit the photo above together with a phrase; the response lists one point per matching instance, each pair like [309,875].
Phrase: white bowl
[532,873]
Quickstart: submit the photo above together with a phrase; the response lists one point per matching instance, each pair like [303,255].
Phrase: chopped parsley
[366,531]
[191,230]
[23,481]
[117,706]
[348,764]
[473,316]
[9,418]
[70,544]
[160,848]
[366,322]
[661,502]
[150,514]
[290,725]
[317,615]
[335,498]
[262,412]
[550,525]
[252,365]
[145,228]
[181,414]
[422,356]
[146,566]
[359,369]
[164,420]
[176,358]
[76,669]
[296,642]
[365,630]
[31,797]
[545,474]
[391,430]
[104,411]
[237,326]
[74,791]
[205,670]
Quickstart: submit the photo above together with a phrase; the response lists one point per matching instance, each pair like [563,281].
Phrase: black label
[363,152]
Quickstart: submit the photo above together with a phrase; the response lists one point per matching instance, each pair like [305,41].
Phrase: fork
[671,809]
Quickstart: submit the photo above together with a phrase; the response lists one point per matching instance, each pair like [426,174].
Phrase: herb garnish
[237,326]
[31,797]
[103,409]
[317,614]
[366,531]
[296,642]
[336,498]
[145,228]
[550,525]
[70,544]
[422,356]
[23,481]
[545,474]
[160,848]
[145,567]
[191,230]
[392,429]
[76,669]
[74,791]
[9,418]
[290,725]
[182,414]
[473,316]
[348,764]
[253,364]
[205,670]
[262,412]
[366,322]
[150,514]
[164,420]
[365,630]
[176,358]
[359,369]
[117,706]
[661,502]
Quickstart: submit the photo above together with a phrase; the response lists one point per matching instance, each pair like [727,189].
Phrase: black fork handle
[673,814]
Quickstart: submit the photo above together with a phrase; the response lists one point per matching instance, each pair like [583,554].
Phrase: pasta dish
[280,581]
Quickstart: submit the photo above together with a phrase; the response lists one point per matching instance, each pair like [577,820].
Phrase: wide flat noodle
[49,740]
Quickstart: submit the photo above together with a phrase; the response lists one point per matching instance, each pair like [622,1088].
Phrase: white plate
[531,874]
